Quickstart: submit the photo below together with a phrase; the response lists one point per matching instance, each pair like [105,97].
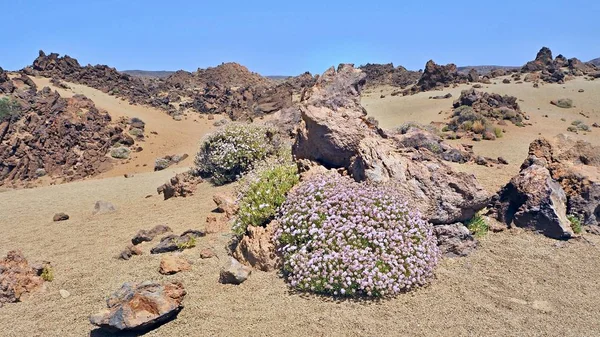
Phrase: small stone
[129,251]
[171,264]
[60,217]
[64,293]
[207,253]
[234,272]
[128,175]
[503,161]
[102,207]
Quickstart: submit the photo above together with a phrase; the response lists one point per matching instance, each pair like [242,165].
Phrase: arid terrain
[516,282]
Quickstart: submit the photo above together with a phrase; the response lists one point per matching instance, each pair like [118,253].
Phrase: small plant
[576,122]
[467,126]
[477,225]
[564,103]
[498,132]
[264,193]
[478,127]
[572,129]
[190,243]
[9,108]
[232,151]
[343,238]
[576,225]
[47,274]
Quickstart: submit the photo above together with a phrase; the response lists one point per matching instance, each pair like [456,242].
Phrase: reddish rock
[60,217]
[142,306]
[18,278]
[256,248]
[172,264]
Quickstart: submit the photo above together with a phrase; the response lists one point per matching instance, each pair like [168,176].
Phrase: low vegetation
[9,108]
[264,190]
[344,238]
[477,225]
[565,103]
[232,151]
[576,225]
[47,274]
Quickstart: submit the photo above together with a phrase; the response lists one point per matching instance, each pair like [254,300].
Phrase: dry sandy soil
[393,111]
[516,283]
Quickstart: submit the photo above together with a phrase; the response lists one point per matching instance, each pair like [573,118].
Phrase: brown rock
[129,251]
[225,204]
[181,185]
[455,240]
[257,249]
[149,235]
[207,253]
[214,225]
[234,272]
[171,243]
[18,278]
[172,264]
[60,217]
[142,306]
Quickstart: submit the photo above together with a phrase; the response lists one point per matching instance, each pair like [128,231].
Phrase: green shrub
[477,225]
[467,126]
[264,192]
[190,243]
[47,274]
[576,225]
[498,132]
[9,108]
[232,151]
[564,103]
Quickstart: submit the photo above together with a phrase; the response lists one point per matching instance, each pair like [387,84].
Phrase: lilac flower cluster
[345,238]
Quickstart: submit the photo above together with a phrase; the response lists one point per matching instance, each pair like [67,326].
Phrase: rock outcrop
[387,74]
[256,248]
[141,307]
[336,134]
[171,243]
[18,278]
[560,177]
[181,185]
[437,77]
[145,235]
[555,70]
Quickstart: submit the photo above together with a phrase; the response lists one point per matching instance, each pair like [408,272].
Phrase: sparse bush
[265,190]
[403,129]
[572,129]
[190,243]
[576,123]
[498,132]
[478,127]
[477,225]
[344,238]
[9,108]
[233,150]
[576,225]
[47,274]
[467,126]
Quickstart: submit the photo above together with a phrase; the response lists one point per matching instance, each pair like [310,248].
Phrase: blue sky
[290,37]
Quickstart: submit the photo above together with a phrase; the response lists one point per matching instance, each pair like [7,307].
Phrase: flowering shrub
[264,191]
[346,238]
[231,151]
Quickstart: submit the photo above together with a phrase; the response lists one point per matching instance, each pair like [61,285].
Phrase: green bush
[232,151]
[576,225]
[265,190]
[498,132]
[477,225]
[9,108]
[47,274]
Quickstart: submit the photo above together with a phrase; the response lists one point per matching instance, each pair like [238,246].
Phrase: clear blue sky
[289,37]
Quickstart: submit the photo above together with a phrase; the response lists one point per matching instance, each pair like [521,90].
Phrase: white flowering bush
[344,238]
[263,191]
[228,153]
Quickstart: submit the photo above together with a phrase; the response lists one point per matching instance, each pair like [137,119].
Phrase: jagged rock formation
[437,77]
[386,74]
[18,277]
[336,134]
[567,173]
[55,136]
[555,70]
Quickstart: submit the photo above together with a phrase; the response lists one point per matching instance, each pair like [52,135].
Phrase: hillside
[483,69]
[149,73]
[595,62]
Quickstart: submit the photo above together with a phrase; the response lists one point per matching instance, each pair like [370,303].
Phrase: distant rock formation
[386,74]
[555,70]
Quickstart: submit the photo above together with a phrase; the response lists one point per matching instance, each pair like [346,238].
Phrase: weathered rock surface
[455,240]
[556,70]
[18,278]
[144,235]
[130,251]
[64,138]
[171,243]
[233,272]
[256,248]
[226,204]
[173,264]
[142,306]
[535,201]
[437,77]
[387,74]
[181,185]
[166,161]
[336,134]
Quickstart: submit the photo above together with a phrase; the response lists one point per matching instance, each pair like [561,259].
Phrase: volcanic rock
[172,264]
[256,248]
[455,240]
[144,235]
[18,278]
[102,207]
[60,217]
[142,306]
[171,243]
[336,134]
[181,185]
[234,272]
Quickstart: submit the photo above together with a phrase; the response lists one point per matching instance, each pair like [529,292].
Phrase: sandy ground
[516,283]
[393,111]
[173,137]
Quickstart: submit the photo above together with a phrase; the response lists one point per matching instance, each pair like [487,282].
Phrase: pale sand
[394,111]
[516,283]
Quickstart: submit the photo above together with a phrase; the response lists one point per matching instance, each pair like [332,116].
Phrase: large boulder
[142,306]
[335,133]
[535,201]
[437,76]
